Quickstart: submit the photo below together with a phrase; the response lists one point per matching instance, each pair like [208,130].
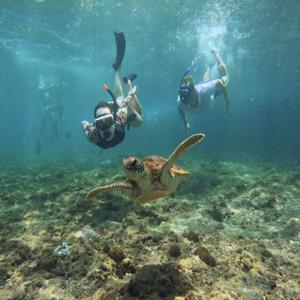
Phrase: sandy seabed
[230,232]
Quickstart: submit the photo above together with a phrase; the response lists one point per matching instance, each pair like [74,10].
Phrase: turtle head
[134,167]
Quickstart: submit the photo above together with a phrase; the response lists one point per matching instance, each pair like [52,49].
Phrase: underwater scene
[150,149]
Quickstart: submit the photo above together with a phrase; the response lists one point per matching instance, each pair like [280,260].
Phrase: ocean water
[231,231]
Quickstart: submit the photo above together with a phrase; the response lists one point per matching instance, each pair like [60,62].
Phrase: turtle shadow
[107,208]
[163,281]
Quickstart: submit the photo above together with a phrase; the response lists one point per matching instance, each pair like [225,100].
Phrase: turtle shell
[155,164]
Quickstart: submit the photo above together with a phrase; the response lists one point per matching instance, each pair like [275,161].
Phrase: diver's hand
[214,50]
[87,128]
[89,131]
[85,125]
[188,128]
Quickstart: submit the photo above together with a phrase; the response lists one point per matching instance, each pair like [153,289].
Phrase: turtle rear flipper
[144,198]
[181,149]
[124,187]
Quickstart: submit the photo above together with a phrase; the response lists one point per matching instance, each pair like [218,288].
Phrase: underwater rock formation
[157,282]
[54,243]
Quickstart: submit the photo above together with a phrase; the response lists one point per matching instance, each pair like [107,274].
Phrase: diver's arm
[223,89]
[184,118]
[90,132]
[121,118]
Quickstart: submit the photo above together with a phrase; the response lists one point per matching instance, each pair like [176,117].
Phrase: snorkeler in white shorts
[200,97]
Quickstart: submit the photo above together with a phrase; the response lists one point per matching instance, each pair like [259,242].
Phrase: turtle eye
[132,165]
[139,166]
[135,165]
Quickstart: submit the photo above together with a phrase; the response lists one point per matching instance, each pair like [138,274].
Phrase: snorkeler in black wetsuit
[112,117]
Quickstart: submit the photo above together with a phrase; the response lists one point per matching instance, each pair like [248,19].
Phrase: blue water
[46,40]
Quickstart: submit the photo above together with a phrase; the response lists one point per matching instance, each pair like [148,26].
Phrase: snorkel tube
[187,71]
[106,88]
[184,91]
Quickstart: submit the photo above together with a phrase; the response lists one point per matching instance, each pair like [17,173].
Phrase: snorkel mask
[105,122]
[184,91]
[105,125]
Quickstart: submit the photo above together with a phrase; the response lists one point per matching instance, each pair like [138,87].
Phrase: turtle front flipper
[181,149]
[124,187]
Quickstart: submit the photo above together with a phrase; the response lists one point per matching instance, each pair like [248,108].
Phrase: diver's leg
[134,100]
[135,111]
[223,82]
[54,134]
[220,85]
[206,75]
[121,46]
[222,69]
[38,147]
[55,130]
[118,85]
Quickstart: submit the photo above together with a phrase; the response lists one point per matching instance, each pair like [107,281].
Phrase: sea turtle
[152,177]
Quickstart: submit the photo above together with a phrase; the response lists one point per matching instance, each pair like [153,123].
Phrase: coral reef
[230,232]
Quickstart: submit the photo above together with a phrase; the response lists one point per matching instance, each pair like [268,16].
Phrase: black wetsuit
[117,139]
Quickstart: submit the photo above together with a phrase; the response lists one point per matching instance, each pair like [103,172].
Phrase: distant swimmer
[112,117]
[200,97]
[52,113]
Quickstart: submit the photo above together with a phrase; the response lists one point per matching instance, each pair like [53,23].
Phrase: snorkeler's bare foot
[130,77]
[215,50]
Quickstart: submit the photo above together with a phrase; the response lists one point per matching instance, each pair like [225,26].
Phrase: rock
[241,187]
[9,294]
[224,295]
[205,256]
[125,267]
[193,295]
[157,282]
[219,211]
[192,236]
[292,228]
[106,248]
[262,198]
[174,250]
[112,225]
[116,254]
[87,234]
